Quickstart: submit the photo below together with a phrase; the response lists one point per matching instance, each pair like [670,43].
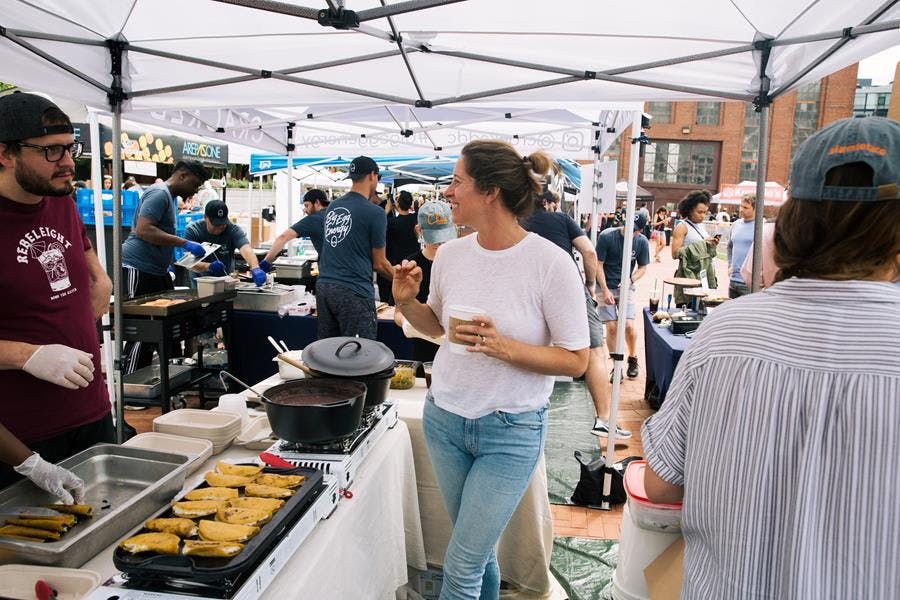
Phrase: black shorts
[343,313]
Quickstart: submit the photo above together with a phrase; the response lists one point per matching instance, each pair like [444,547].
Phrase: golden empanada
[212,493]
[216,531]
[230,481]
[282,481]
[196,508]
[267,491]
[161,543]
[211,549]
[241,470]
[178,525]
[243,516]
[266,504]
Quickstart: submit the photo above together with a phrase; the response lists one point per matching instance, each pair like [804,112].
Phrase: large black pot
[354,359]
[315,411]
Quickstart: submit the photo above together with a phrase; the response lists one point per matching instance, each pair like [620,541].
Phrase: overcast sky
[880,68]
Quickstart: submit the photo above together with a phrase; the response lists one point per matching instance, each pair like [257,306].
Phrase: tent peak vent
[265,74]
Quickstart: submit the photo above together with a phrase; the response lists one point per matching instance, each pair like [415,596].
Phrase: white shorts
[610,312]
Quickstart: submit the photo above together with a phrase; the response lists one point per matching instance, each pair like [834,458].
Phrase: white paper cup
[460,315]
[237,405]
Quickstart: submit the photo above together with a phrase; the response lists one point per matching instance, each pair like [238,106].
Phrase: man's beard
[33,183]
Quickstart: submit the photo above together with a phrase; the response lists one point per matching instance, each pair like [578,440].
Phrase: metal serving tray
[134,482]
[138,306]
[250,297]
[146,382]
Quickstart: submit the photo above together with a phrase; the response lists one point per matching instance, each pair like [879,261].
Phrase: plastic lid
[634,484]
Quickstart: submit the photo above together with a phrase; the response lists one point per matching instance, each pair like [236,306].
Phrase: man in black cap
[354,246]
[215,228]
[54,289]
[147,253]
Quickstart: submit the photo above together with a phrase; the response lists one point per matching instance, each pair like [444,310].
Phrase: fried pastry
[212,493]
[267,491]
[178,525]
[65,519]
[211,549]
[196,508]
[161,543]
[79,510]
[31,532]
[48,524]
[216,531]
[267,504]
[282,481]
[243,516]
[231,481]
[241,470]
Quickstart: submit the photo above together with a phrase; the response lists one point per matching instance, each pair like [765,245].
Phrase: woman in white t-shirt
[485,418]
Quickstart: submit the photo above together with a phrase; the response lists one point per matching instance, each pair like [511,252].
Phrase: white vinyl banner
[602,188]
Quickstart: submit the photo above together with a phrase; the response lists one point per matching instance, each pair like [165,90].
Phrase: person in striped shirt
[780,429]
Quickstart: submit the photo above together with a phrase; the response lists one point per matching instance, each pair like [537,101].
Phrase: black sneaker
[601,429]
[632,371]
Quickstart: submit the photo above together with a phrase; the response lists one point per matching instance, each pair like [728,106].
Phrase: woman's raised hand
[407,279]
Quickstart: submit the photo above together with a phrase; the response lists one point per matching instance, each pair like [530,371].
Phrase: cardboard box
[255,238]
[666,573]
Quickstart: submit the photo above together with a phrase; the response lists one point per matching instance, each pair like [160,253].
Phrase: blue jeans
[483,467]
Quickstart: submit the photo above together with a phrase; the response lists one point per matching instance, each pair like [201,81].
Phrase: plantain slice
[79,510]
[178,525]
[216,531]
[230,481]
[267,491]
[196,508]
[240,470]
[212,493]
[32,532]
[266,504]
[48,524]
[243,516]
[282,481]
[211,549]
[161,543]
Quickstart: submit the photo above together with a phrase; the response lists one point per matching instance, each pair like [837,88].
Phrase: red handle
[346,493]
[275,461]
[43,591]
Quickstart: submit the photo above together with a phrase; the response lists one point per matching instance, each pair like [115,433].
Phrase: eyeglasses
[55,152]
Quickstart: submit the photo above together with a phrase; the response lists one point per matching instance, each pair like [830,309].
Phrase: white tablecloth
[363,549]
[525,547]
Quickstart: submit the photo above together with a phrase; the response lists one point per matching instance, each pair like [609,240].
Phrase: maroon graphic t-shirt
[45,297]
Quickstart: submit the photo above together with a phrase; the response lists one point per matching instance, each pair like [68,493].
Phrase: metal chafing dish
[265,299]
[134,482]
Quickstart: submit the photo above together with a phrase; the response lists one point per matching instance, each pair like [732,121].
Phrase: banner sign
[150,147]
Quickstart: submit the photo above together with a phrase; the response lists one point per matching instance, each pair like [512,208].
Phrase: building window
[661,112]
[686,163]
[871,102]
[750,144]
[708,113]
[806,115]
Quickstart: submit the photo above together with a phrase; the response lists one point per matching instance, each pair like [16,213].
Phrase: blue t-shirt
[229,240]
[610,244]
[739,246]
[557,227]
[313,227]
[353,227]
[158,205]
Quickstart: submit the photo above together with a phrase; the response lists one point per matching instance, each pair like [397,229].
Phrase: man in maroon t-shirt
[54,399]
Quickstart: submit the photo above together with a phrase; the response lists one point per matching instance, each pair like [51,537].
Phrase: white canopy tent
[248,70]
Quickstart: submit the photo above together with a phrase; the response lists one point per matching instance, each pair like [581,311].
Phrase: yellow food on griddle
[196,508]
[178,525]
[79,510]
[216,531]
[231,481]
[48,524]
[282,481]
[31,532]
[211,549]
[212,493]
[241,470]
[267,491]
[161,543]
[267,504]
[243,516]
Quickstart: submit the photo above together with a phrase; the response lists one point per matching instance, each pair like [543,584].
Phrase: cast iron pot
[315,411]
[355,359]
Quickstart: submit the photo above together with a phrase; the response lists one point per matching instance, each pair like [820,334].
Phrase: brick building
[705,145]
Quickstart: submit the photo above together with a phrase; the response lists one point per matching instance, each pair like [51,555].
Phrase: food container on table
[646,514]
[209,285]
[357,359]
[288,371]
[220,428]
[17,581]
[133,482]
[404,374]
[314,410]
[197,450]
[251,297]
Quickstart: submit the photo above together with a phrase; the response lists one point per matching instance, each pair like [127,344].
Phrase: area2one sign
[204,152]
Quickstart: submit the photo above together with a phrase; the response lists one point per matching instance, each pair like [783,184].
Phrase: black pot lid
[348,356]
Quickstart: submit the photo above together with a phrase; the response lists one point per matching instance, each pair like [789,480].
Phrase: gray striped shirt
[783,425]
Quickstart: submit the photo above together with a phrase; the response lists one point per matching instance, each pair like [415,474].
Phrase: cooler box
[84,200]
[647,530]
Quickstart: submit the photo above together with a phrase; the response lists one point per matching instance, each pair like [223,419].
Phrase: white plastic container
[207,286]
[17,581]
[218,427]
[665,518]
[638,548]
[287,371]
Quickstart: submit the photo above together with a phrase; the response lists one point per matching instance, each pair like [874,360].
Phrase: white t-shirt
[532,294]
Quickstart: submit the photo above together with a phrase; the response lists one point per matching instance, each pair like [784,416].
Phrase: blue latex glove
[217,268]
[195,248]
[259,276]
[265,265]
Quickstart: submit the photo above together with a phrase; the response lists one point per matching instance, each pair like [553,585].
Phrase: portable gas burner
[343,458]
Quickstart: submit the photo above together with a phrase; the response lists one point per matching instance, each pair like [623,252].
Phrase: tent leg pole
[290,173]
[762,158]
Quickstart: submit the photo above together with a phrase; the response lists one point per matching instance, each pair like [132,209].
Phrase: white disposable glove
[62,365]
[63,484]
